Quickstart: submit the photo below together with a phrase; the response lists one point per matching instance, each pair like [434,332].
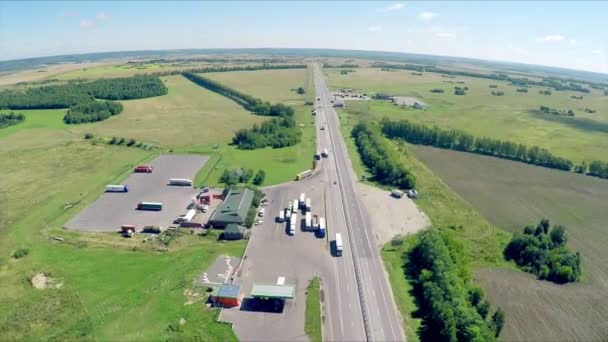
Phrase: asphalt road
[376,314]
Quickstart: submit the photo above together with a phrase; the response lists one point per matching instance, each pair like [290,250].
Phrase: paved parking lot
[112,210]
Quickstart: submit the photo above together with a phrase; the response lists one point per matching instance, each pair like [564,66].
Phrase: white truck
[281,218]
[180,181]
[321,230]
[292,224]
[294,207]
[116,188]
[308,220]
[302,200]
[325,154]
[339,247]
[308,204]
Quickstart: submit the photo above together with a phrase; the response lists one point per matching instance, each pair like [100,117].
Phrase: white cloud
[445,34]
[596,52]
[394,7]
[86,23]
[375,28]
[427,16]
[573,42]
[103,16]
[551,38]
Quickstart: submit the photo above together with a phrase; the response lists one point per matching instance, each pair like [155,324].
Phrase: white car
[258,222]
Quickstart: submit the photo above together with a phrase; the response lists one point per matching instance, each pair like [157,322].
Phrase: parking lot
[112,210]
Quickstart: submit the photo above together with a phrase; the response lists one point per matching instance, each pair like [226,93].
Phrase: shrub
[131,142]
[88,136]
[20,253]
[151,230]
[259,178]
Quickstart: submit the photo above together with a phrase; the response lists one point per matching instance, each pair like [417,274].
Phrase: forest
[11,119]
[383,163]
[452,309]
[461,141]
[542,250]
[228,69]
[80,97]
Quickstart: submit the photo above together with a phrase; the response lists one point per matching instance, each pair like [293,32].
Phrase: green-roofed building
[233,209]
[268,291]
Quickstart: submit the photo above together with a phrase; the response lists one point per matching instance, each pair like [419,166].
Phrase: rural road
[374,317]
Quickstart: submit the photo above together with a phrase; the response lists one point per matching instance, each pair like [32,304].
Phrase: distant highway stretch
[380,317]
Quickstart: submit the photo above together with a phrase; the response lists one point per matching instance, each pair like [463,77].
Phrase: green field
[50,119]
[512,195]
[312,326]
[509,117]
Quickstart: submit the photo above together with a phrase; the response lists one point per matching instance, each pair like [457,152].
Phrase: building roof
[234,228]
[229,291]
[273,291]
[234,207]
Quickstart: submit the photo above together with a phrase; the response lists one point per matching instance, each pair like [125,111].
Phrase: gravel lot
[390,216]
[112,210]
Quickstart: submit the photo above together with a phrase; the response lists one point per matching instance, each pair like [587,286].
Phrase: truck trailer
[281,217]
[292,224]
[180,181]
[303,174]
[116,188]
[339,247]
[150,206]
[294,207]
[321,230]
[308,220]
[325,154]
[302,200]
[308,204]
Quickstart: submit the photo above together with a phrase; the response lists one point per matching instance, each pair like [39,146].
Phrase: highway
[360,272]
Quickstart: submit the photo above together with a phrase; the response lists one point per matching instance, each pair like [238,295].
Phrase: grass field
[35,119]
[312,326]
[511,195]
[584,137]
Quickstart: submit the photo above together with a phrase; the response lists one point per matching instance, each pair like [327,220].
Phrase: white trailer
[339,247]
[308,220]
[302,200]
[287,213]
[282,216]
[180,181]
[322,229]
[308,204]
[325,153]
[294,207]
[116,188]
[292,224]
[189,215]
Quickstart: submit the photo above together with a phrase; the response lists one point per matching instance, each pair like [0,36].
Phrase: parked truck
[116,188]
[302,200]
[281,217]
[325,154]
[308,204]
[303,174]
[308,221]
[180,181]
[294,206]
[150,206]
[322,229]
[339,247]
[292,224]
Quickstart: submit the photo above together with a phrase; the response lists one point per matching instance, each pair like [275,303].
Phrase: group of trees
[380,159]
[276,133]
[437,90]
[461,141]
[460,91]
[576,97]
[542,250]
[202,70]
[11,119]
[497,92]
[590,111]
[598,169]
[450,307]
[545,92]
[522,90]
[553,111]
[344,65]
[80,97]
[233,177]
[92,111]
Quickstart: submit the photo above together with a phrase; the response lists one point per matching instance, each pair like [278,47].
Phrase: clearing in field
[511,117]
[512,195]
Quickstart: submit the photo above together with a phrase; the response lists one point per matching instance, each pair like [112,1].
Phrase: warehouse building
[233,209]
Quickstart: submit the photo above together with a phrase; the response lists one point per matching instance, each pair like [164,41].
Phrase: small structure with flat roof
[233,209]
[274,291]
[227,295]
[234,232]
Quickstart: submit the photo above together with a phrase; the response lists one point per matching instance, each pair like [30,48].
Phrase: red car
[143,168]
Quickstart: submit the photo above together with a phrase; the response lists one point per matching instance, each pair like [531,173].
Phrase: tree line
[280,131]
[461,141]
[202,70]
[553,111]
[380,159]
[542,250]
[546,82]
[344,65]
[11,119]
[452,309]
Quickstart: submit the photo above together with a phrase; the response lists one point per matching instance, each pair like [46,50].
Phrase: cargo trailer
[150,206]
[308,220]
[325,153]
[281,218]
[116,188]
[339,247]
[321,230]
[294,207]
[303,174]
[308,204]
[180,181]
[302,200]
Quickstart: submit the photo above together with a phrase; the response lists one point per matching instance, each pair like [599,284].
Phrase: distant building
[233,209]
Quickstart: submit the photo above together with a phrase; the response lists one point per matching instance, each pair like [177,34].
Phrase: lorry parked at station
[308,221]
[294,206]
[281,217]
[308,204]
[150,206]
[339,247]
[302,201]
[116,188]
[321,228]
[325,154]
[303,174]
[292,224]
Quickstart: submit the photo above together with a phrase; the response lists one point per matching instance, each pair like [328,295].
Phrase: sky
[554,33]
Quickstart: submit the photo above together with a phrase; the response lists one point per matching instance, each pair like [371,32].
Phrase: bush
[151,230]
[131,142]
[259,178]
[11,119]
[20,253]
[88,136]
[437,90]
[301,91]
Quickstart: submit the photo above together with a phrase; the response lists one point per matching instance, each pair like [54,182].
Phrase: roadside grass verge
[312,326]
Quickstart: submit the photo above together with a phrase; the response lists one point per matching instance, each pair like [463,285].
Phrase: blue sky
[566,34]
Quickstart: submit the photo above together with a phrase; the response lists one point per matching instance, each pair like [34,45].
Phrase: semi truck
[281,218]
[325,154]
[180,181]
[339,247]
[150,206]
[292,224]
[116,188]
[294,206]
[302,200]
[143,169]
[322,229]
[308,203]
[308,220]
[303,174]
